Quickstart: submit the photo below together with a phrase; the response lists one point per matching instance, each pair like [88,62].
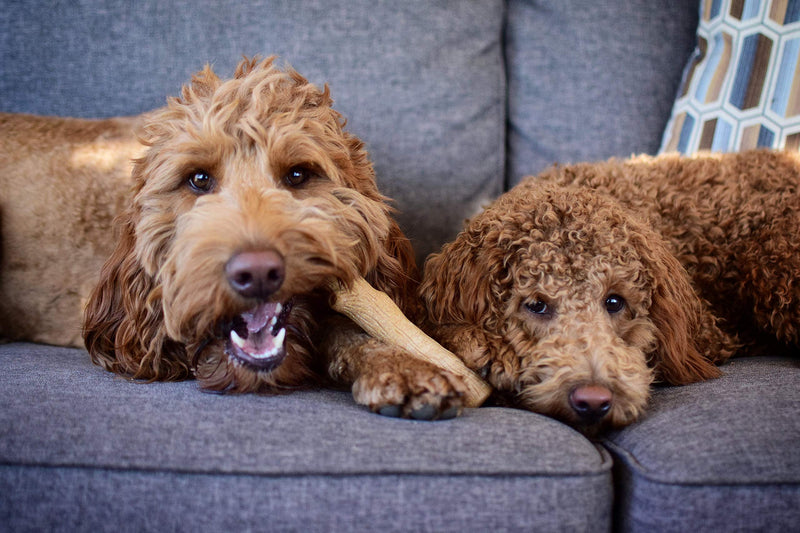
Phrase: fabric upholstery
[70,499]
[721,455]
[741,88]
[591,80]
[134,455]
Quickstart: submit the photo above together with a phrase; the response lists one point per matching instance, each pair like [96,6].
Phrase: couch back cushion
[420,82]
[590,80]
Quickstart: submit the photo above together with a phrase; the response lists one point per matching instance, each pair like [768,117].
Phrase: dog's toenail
[426,412]
[452,412]
[390,410]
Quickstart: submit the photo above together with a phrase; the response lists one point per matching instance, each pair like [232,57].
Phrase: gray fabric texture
[589,80]
[719,455]
[70,431]
[76,499]
[78,414]
[422,83]
[644,505]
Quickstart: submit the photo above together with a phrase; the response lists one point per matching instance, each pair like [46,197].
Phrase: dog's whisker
[298,333]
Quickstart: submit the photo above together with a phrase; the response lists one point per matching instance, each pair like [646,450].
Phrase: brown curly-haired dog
[249,200]
[577,289]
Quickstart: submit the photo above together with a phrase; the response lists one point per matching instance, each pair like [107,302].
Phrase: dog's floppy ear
[395,268]
[123,321]
[458,294]
[457,281]
[396,271]
[686,331]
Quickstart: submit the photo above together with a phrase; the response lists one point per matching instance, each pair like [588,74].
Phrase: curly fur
[281,175]
[703,251]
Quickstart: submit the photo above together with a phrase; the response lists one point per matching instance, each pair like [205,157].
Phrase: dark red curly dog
[577,289]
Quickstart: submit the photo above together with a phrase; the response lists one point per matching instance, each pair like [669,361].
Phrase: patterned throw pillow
[741,87]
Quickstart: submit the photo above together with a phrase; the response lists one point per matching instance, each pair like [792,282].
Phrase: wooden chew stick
[378,315]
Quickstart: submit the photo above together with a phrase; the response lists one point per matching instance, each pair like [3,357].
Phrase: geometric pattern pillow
[741,87]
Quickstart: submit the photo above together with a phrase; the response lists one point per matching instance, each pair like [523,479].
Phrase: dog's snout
[590,402]
[256,274]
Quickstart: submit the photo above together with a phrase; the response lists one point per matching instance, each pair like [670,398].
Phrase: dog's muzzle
[257,337]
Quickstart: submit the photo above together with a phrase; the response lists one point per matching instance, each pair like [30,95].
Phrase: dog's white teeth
[278,309]
[273,322]
[237,340]
[279,338]
[267,354]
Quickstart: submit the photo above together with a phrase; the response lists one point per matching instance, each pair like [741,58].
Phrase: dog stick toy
[378,315]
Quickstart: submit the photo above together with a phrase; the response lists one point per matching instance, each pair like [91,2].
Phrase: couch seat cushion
[83,449]
[721,455]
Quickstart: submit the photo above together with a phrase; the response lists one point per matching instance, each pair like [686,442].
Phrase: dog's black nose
[256,274]
[590,402]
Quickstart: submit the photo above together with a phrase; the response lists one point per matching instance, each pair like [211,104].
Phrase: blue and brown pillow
[741,87]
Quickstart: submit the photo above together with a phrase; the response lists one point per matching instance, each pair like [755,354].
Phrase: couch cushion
[82,449]
[722,455]
[421,82]
[589,80]
[740,88]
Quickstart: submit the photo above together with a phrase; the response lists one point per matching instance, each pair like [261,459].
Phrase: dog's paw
[410,388]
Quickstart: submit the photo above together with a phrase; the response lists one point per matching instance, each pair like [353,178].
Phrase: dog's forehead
[249,106]
[576,256]
[577,244]
[230,143]
[573,273]
[268,89]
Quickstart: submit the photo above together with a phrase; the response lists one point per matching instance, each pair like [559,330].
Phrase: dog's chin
[256,338]
[591,430]
[563,413]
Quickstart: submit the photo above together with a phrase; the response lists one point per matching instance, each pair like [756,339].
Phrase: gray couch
[456,101]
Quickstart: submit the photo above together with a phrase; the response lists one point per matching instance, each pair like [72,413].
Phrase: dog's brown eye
[538,307]
[297,176]
[201,182]
[615,303]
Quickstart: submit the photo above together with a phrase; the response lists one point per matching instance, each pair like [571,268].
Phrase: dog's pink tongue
[256,319]
[261,342]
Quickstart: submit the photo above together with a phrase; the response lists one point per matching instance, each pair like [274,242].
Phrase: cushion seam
[624,458]
[320,473]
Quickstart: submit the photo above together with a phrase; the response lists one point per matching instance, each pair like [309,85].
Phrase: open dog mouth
[257,337]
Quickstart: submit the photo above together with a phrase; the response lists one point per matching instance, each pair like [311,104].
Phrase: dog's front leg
[388,379]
